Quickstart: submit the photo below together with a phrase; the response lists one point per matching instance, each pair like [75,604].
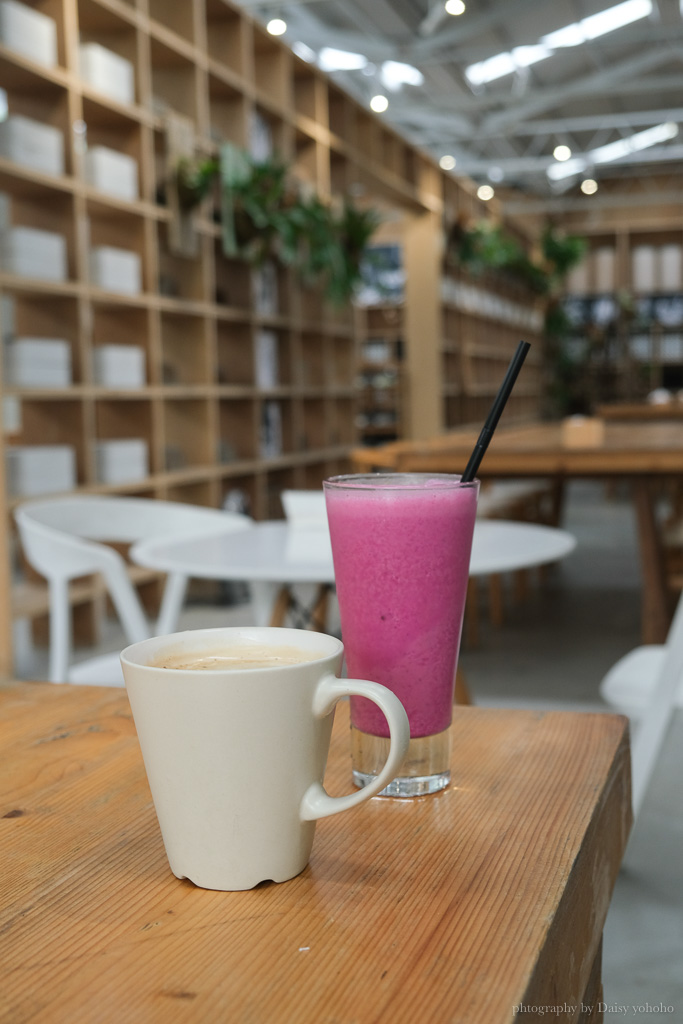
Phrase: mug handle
[316,803]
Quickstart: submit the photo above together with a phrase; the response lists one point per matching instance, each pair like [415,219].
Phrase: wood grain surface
[456,907]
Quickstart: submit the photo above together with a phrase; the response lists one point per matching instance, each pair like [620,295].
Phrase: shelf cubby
[272,65]
[186,352]
[188,432]
[176,18]
[174,81]
[227,38]
[235,361]
[238,428]
[228,112]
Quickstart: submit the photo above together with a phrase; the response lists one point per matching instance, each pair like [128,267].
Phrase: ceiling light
[276,27]
[485,192]
[614,150]
[455,7]
[569,35]
[589,187]
[447,162]
[562,152]
[394,74]
[379,103]
[330,59]
[495,174]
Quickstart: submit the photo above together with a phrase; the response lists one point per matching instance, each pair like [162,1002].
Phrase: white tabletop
[277,552]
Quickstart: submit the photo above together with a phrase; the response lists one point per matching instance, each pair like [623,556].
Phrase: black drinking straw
[495,412]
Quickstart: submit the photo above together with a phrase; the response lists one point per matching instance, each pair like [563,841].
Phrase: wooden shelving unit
[626,297]
[203,71]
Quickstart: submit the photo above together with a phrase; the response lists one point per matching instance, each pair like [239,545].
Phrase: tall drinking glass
[401,544]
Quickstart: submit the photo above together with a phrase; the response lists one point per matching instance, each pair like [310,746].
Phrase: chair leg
[462,690]
[60,630]
[281,607]
[171,604]
[319,609]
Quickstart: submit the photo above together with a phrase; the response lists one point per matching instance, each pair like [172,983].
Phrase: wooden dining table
[644,453]
[485,902]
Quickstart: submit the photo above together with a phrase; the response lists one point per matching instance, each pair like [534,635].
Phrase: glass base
[426,768]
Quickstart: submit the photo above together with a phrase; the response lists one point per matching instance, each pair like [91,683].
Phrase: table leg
[263,600]
[656,605]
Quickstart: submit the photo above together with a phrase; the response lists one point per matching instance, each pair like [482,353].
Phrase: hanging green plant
[486,246]
[193,180]
[267,215]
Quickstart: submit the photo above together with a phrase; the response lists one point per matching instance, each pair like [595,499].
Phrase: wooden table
[641,411]
[453,908]
[645,453]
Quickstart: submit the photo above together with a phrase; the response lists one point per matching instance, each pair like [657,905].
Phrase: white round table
[274,553]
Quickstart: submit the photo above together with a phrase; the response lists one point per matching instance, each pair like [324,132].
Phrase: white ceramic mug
[235,757]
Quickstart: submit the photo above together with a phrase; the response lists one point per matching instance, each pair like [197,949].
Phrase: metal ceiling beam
[544,99]
[450,127]
[538,165]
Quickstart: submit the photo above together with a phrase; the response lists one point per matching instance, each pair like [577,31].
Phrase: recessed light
[589,187]
[562,152]
[455,7]
[379,103]
[447,162]
[276,27]
[485,192]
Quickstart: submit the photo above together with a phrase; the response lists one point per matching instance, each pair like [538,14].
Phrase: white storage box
[33,253]
[643,268]
[40,469]
[112,172]
[107,72]
[121,462]
[33,144]
[37,363]
[117,270]
[119,366]
[28,32]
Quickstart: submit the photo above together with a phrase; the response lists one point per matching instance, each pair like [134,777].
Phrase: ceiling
[503,132]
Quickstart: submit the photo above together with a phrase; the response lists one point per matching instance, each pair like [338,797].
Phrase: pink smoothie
[401,563]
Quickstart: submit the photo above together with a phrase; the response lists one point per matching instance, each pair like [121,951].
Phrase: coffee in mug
[234,726]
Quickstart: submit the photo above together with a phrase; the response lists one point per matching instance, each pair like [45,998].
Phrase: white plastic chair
[61,539]
[647,685]
[306,512]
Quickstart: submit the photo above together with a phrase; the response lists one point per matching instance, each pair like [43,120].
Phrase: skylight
[614,150]
[579,32]
[330,59]
[394,74]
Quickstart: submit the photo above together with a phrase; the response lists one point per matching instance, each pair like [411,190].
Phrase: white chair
[61,539]
[647,685]
[306,512]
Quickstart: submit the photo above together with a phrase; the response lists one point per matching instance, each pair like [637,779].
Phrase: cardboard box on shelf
[119,366]
[107,72]
[37,363]
[112,172]
[32,144]
[28,32]
[38,469]
[121,461]
[116,270]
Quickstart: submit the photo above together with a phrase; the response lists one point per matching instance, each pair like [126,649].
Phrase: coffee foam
[235,658]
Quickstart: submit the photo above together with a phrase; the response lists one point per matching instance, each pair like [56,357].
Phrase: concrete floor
[552,652]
